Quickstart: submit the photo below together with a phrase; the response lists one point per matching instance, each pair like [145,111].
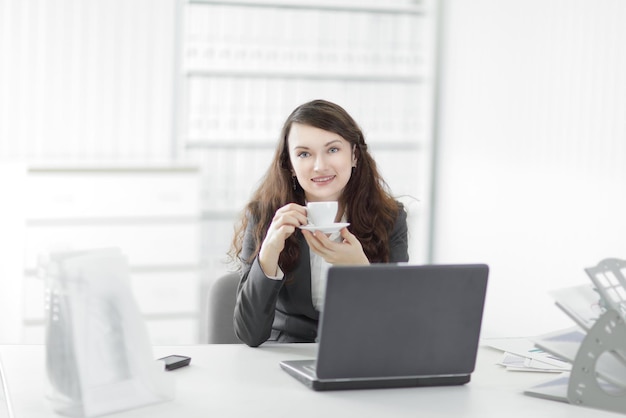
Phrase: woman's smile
[322,180]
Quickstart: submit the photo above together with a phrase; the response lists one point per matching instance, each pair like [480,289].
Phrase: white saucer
[327,229]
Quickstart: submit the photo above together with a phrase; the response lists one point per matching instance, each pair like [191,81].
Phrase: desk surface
[236,381]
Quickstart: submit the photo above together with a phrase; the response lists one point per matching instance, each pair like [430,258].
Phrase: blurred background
[145,124]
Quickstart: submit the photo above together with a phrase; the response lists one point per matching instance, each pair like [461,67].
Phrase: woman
[321,156]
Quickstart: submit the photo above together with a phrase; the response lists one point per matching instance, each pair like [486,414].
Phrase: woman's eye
[333,149]
[303,154]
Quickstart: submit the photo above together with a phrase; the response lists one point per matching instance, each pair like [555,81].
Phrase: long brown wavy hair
[370,208]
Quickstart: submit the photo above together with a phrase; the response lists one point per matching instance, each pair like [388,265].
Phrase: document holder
[98,354]
[598,375]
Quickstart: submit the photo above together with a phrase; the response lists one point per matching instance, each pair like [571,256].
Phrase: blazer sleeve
[398,240]
[256,297]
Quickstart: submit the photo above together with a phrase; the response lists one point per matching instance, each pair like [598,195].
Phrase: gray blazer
[282,310]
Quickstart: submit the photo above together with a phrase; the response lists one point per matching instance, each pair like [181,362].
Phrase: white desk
[239,381]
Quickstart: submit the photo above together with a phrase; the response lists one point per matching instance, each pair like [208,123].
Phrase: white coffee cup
[321,213]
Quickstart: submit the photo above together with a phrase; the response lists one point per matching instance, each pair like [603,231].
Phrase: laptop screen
[388,320]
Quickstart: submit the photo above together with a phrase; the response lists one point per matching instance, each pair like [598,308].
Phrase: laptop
[396,325]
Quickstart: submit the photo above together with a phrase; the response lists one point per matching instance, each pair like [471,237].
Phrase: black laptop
[396,325]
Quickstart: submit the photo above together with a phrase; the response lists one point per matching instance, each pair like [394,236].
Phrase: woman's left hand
[348,251]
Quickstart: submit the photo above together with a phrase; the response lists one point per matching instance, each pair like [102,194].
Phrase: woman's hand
[285,221]
[348,251]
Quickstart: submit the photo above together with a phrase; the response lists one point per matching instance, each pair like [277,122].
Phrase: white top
[319,274]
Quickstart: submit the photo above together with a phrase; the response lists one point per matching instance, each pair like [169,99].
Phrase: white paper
[581,303]
[526,348]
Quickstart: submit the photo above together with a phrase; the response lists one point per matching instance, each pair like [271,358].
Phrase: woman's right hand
[285,221]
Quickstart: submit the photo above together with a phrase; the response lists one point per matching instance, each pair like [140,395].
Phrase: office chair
[220,307]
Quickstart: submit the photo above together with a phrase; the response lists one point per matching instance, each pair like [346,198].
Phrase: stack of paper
[520,354]
[554,352]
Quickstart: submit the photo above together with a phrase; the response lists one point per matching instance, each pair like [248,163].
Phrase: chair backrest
[220,308]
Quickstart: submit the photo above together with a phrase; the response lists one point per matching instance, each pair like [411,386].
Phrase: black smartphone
[175,361]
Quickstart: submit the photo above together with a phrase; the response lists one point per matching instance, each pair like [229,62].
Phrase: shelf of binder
[242,58]
[308,42]
[247,64]
[598,352]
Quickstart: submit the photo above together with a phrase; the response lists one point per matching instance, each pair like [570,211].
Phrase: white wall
[87,81]
[532,167]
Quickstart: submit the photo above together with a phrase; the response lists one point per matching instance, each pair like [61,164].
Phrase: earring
[293,180]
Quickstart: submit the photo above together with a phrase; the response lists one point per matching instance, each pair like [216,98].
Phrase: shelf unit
[150,212]
[240,67]
[245,65]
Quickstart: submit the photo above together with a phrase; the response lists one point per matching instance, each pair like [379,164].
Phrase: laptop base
[303,371]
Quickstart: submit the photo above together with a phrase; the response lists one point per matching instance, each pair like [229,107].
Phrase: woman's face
[322,161]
